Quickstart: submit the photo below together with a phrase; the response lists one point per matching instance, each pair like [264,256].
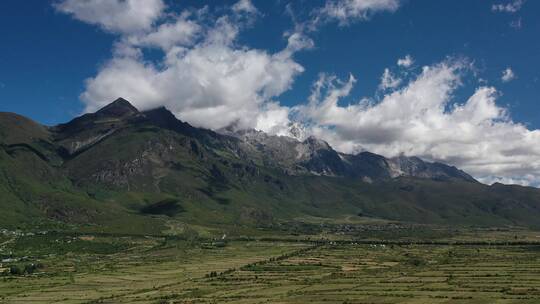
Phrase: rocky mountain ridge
[112,166]
[315,156]
[311,156]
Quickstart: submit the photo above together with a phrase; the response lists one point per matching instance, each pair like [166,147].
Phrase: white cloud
[389,81]
[204,78]
[274,119]
[245,6]
[119,16]
[181,32]
[524,180]
[508,75]
[406,61]
[297,42]
[421,119]
[346,11]
[510,7]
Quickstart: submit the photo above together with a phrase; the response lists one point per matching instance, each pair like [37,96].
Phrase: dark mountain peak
[316,143]
[164,118]
[367,154]
[118,108]
[160,112]
[117,112]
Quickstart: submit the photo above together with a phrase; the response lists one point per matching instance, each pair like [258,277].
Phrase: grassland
[503,267]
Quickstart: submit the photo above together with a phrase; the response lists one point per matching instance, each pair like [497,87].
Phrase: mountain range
[121,169]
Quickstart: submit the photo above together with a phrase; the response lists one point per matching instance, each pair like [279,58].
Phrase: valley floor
[106,269]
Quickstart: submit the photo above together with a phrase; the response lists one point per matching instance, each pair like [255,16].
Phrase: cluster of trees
[22,270]
[212,274]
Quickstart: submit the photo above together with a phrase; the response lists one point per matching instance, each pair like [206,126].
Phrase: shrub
[416,261]
[15,270]
[30,268]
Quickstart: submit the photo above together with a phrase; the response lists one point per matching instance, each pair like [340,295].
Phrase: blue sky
[61,58]
[46,56]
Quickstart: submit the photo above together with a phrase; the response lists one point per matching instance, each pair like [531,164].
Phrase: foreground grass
[88,269]
[133,274]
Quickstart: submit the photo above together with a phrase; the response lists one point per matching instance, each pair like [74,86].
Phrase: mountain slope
[119,165]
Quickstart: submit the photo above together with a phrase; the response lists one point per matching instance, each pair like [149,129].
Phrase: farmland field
[121,269]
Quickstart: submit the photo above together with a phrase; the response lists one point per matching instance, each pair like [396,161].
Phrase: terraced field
[152,271]
[138,274]
[384,274]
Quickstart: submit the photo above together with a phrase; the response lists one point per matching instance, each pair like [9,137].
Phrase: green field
[135,269]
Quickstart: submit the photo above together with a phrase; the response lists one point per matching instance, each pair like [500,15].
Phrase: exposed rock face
[320,158]
[78,145]
[315,156]
[297,131]
[89,129]
[414,166]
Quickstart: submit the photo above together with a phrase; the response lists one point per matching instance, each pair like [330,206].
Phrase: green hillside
[121,170]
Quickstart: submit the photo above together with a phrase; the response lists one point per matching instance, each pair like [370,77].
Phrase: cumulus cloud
[180,32]
[406,61]
[204,77]
[347,11]
[508,75]
[510,7]
[119,16]
[422,119]
[274,119]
